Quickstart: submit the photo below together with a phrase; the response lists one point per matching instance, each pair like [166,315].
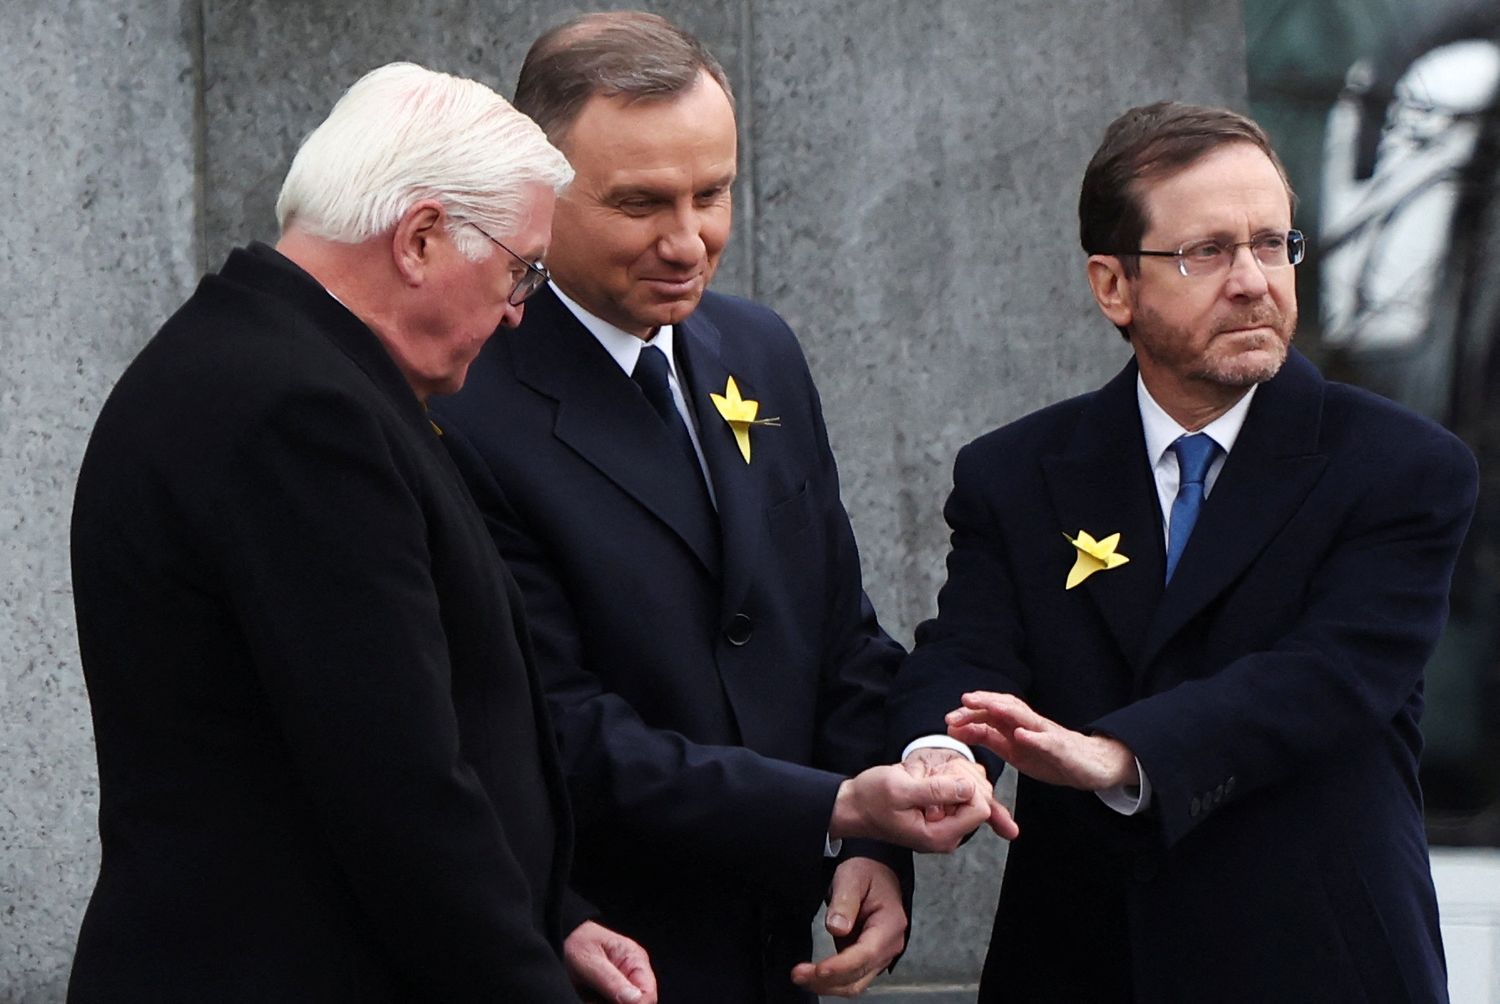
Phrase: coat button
[1195,807]
[1219,794]
[739,630]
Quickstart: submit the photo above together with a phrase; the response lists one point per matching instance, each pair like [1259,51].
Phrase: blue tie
[1194,455]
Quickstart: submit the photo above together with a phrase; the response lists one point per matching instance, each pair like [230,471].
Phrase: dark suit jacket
[326,771]
[1271,693]
[712,680]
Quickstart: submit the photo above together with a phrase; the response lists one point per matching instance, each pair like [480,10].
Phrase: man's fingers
[605,979]
[946,789]
[846,972]
[844,898]
[1002,822]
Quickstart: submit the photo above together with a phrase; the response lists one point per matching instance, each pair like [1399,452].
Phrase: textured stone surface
[96,144]
[917,169]
[272,71]
[907,192]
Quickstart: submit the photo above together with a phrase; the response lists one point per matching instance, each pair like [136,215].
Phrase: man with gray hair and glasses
[326,768]
[654,465]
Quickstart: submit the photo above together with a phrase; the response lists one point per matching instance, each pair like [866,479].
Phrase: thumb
[844,899]
[947,789]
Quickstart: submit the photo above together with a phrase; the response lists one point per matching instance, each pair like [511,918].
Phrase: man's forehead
[1223,187]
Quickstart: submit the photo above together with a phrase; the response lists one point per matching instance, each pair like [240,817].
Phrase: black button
[739,630]
[1229,786]
[1218,794]
[1195,807]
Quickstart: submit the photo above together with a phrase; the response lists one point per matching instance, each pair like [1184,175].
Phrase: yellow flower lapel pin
[740,414]
[1093,556]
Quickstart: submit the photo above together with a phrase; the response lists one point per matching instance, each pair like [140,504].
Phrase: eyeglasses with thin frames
[1213,257]
[535,277]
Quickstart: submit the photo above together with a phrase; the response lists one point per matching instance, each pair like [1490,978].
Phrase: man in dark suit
[654,465]
[1192,609]
[326,768]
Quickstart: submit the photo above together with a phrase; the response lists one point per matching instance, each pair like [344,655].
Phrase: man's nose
[511,318]
[681,240]
[1247,276]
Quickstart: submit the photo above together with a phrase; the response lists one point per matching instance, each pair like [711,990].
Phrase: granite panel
[96,249]
[272,70]
[908,178]
[916,178]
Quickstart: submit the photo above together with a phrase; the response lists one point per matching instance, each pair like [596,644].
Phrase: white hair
[402,134]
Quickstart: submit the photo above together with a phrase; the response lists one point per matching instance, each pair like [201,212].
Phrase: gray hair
[630,53]
[402,134]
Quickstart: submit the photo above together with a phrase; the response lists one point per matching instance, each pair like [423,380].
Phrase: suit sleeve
[1354,657]
[859,660]
[756,819]
[329,573]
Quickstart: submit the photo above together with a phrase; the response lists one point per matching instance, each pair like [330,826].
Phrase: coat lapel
[1103,484]
[737,488]
[605,419]
[1274,464]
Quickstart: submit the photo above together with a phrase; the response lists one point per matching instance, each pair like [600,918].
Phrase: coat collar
[704,355]
[1102,482]
[264,271]
[602,416]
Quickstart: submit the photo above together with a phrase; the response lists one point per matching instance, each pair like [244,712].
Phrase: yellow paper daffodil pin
[1093,556]
[740,414]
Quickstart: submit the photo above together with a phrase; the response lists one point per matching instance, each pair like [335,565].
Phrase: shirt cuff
[1129,799]
[938,741]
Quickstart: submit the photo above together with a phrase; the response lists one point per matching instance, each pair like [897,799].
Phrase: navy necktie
[650,374]
[1195,454]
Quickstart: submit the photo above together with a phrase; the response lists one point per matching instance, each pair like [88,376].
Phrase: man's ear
[414,240]
[1112,289]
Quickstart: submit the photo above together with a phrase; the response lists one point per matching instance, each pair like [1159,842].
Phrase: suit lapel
[737,486]
[1273,465]
[1103,484]
[604,418]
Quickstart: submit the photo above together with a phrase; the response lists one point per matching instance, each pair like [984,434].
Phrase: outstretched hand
[1039,747]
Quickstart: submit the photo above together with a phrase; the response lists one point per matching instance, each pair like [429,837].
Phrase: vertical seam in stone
[198,47]
[746,105]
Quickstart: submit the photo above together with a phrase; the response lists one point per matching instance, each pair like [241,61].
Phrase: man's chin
[1248,368]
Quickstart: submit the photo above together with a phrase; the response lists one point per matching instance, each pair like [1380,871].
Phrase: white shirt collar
[1162,429]
[623,347]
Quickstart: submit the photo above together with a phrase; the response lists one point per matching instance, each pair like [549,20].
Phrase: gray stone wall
[908,177]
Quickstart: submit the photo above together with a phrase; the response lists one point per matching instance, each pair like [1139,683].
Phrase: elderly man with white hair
[326,770]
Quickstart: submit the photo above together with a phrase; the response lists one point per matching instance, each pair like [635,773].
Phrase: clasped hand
[926,807]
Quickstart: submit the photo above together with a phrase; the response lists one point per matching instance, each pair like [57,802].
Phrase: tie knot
[1194,455]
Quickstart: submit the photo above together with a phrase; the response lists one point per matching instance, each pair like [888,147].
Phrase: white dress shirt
[1161,431]
[625,348]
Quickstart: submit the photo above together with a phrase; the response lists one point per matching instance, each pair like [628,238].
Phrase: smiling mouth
[683,285]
